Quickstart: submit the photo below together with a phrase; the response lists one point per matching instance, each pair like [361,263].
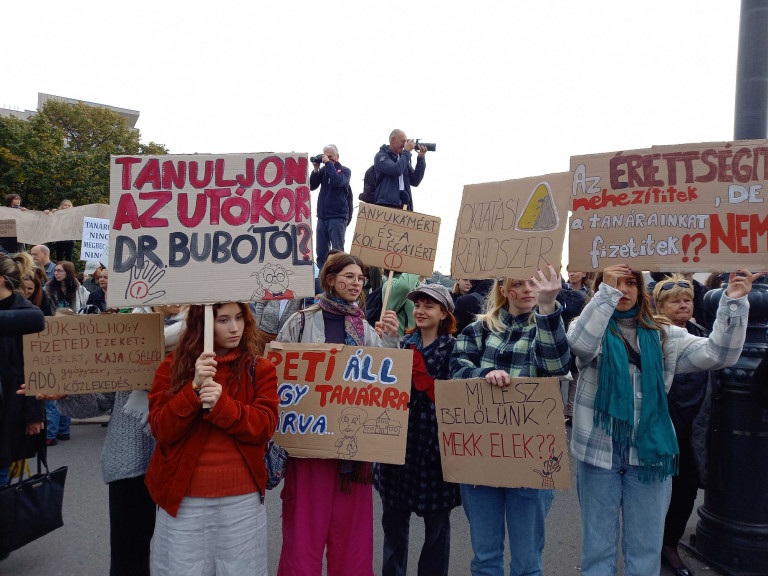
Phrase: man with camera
[334,208]
[394,173]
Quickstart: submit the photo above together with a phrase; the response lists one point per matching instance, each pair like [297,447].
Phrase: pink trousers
[316,514]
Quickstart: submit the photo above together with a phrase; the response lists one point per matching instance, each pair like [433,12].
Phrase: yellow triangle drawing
[540,213]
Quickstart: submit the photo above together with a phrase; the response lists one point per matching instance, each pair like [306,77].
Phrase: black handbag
[31,507]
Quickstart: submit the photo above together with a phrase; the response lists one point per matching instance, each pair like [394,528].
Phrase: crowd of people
[184,462]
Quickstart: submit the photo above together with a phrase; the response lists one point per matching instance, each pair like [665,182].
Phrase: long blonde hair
[494,303]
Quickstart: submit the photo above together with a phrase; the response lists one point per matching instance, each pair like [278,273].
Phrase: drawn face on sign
[521,296]
[273,280]
[351,420]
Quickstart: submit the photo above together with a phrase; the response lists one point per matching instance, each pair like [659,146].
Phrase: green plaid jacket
[527,348]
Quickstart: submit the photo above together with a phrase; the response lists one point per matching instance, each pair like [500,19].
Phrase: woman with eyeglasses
[688,400]
[64,291]
[623,438]
[329,503]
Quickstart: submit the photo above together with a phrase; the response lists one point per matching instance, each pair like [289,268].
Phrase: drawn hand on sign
[551,466]
[141,281]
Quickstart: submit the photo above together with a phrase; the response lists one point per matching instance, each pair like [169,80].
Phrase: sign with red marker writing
[204,228]
[688,207]
[92,353]
[511,436]
[395,239]
[509,229]
[342,402]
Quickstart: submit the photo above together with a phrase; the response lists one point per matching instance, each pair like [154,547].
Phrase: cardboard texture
[688,207]
[507,437]
[342,402]
[95,238]
[8,235]
[94,353]
[199,229]
[36,227]
[509,229]
[395,239]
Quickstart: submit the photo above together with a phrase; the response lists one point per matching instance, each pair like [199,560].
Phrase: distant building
[131,116]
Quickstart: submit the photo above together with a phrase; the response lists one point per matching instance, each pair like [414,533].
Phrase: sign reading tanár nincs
[342,402]
[509,229]
[512,436]
[94,353]
[95,238]
[205,228]
[395,239]
[689,207]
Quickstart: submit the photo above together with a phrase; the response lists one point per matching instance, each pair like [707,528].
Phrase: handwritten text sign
[395,239]
[510,437]
[690,207]
[209,228]
[37,227]
[509,229]
[94,353]
[95,238]
[8,235]
[342,402]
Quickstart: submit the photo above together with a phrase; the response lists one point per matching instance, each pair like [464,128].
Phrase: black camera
[317,159]
[430,146]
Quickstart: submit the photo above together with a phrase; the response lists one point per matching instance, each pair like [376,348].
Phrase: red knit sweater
[191,442]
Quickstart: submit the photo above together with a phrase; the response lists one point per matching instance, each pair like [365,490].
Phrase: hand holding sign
[141,281]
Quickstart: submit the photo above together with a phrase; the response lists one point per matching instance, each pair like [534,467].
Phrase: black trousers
[686,484]
[435,552]
[131,526]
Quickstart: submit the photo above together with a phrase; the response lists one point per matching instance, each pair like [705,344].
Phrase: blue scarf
[654,436]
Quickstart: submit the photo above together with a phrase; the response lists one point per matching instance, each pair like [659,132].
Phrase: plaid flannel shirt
[525,349]
[683,353]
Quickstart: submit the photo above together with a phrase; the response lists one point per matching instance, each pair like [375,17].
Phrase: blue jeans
[56,422]
[5,474]
[525,511]
[329,234]
[435,553]
[606,494]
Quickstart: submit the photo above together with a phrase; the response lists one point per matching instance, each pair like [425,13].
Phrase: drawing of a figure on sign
[350,421]
[540,212]
[383,425]
[273,282]
[550,467]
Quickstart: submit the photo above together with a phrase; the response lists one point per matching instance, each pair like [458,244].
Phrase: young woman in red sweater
[207,473]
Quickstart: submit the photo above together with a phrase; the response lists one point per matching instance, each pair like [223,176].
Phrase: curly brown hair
[190,344]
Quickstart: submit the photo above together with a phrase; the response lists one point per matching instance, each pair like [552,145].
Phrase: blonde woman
[520,334]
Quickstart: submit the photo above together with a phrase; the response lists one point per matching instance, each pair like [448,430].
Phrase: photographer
[334,209]
[394,173]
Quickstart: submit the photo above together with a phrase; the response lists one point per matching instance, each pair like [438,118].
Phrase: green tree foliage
[63,152]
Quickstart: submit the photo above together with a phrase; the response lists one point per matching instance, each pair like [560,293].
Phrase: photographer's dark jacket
[389,166]
[333,180]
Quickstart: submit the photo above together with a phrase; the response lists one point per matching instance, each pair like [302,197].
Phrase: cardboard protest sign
[206,228]
[395,239]
[94,353]
[509,229]
[509,437]
[8,235]
[342,402]
[95,238]
[689,207]
[37,227]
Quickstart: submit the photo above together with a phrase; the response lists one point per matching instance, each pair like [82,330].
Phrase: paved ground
[81,547]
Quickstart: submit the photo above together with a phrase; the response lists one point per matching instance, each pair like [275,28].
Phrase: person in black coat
[471,304]
[20,416]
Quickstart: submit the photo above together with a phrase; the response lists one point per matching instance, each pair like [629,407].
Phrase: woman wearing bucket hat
[417,486]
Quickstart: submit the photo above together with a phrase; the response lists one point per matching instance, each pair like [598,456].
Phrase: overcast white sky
[506,89]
